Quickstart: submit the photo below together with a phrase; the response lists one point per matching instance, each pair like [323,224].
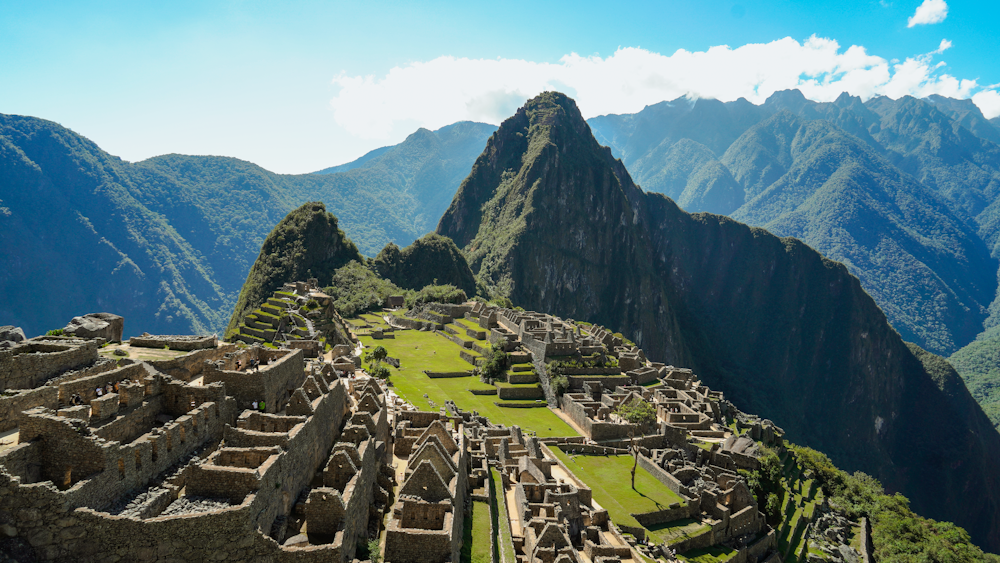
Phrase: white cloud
[449,89]
[931,11]
[988,102]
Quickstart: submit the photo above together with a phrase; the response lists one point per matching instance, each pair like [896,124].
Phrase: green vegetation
[355,289]
[307,243]
[979,365]
[638,413]
[420,351]
[899,535]
[603,475]
[713,554]
[429,260]
[477,546]
[436,294]
[500,518]
[496,362]
[55,332]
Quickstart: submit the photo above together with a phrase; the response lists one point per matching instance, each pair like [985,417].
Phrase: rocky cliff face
[550,218]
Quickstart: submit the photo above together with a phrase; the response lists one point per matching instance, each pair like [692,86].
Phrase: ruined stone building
[165,460]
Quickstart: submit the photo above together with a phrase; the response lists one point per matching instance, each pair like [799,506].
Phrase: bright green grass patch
[610,479]
[678,530]
[506,543]
[714,554]
[420,351]
[466,323]
[477,547]
[703,445]
[461,334]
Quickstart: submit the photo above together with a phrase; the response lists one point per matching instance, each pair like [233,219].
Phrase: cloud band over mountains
[448,89]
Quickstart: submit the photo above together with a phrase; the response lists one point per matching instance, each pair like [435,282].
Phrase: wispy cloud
[931,11]
[449,89]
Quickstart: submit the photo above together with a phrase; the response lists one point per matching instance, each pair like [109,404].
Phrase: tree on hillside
[375,359]
[637,413]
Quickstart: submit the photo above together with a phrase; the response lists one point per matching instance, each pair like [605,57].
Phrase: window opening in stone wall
[68,477]
[154,452]
[121,468]
[138,461]
[170,443]
[182,434]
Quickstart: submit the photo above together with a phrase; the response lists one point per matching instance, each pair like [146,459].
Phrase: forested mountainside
[168,242]
[551,219]
[306,244]
[430,260]
[901,191]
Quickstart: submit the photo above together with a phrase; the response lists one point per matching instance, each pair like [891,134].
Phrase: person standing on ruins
[262,406]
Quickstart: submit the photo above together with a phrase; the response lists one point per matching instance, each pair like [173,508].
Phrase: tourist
[238,365]
[99,391]
[253,405]
[262,406]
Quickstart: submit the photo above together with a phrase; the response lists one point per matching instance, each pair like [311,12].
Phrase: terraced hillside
[437,366]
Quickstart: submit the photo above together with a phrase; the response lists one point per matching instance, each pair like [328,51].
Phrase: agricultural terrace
[420,351]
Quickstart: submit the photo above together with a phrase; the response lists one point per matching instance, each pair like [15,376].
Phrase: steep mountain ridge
[550,218]
[168,242]
[914,169]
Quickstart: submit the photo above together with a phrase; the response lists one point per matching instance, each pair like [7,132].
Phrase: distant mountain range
[168,242]
[903,192]
[549,217]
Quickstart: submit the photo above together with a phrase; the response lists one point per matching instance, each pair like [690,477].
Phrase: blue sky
[299,86]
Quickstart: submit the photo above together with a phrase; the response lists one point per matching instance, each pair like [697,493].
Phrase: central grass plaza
[419,351]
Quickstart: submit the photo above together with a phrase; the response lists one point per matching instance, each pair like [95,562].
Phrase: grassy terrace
[798,509]
[506,543]
[714,554]
[478,531]
[608,476]
[420,351]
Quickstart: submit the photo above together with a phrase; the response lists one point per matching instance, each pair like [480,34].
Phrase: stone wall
[661,475]
[174,342]
[271,383]
[190,365]
[34,362]
[13,403]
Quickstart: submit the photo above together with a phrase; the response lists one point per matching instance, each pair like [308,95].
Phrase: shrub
[55,332]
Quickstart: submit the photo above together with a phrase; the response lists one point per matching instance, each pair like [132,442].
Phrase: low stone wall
[13,403]
[490,391]
[416,324]
[608,381]
[174,342]
[455,339]
[468,356]
[520,392]
[661,475]
[592,371]
[522,377]
[677,511]
[522,405]
[34,362]
[190,365]
[446,374]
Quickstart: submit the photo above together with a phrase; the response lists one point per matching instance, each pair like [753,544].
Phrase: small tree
[637,413]
[496,362]
[374,551]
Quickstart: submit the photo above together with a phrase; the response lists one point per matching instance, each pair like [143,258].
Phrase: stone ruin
[426,523]
[171,463]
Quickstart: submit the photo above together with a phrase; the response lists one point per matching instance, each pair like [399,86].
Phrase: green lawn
[609,477]
[506,543]
[678,530]
[478,531]
[714,554]
[421,350]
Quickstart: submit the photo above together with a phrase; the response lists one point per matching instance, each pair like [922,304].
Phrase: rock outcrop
[97,325]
